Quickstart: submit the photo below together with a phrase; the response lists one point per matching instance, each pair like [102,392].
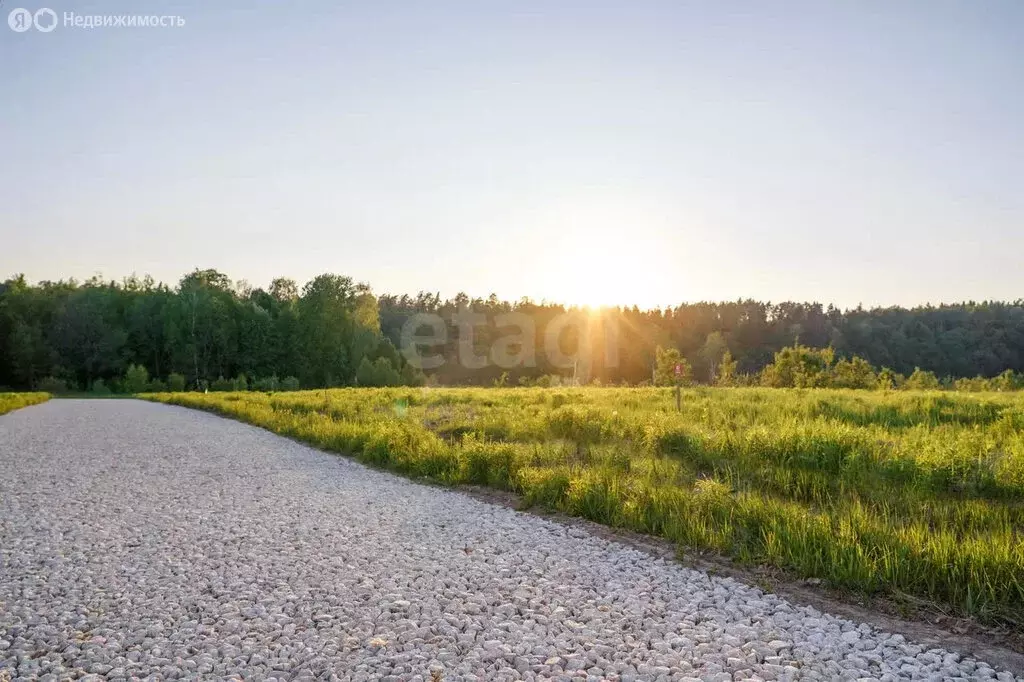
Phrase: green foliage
[99,387]
[135,379]
[240,383]
[290,384]
[854,373]
[894,492]
[377,373]
[665,362]
[205,326]
[889,380]
[411,376]
[1008,380]
[175,382]
[727,371]
[222,385]
[921,380]
[267,384]
[799,367]
[712,352]
[156,386]
[53,385]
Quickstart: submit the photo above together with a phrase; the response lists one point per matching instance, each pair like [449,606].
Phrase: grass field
[13,401]
[918,494]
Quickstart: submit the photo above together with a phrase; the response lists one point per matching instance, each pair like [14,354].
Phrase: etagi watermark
[516,343]
[45,20]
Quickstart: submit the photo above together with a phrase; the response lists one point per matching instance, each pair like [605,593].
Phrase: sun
[597,276]
[602,251]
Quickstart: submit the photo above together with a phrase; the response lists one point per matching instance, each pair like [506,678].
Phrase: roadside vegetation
[14,401]
[908,494]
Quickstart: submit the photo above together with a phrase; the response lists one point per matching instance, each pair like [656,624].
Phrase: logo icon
[45,20]
[20,19]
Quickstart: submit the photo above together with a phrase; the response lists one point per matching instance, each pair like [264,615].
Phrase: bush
[801,367]
[267,384]
[1007,381]
[412,376]
[175,383]
[52,385]
[222,384]
[854,373]
[241,383]
[888,379]
[378,373]
[156,386]
[290,384]
[136,379]
[921,380]
[99,387]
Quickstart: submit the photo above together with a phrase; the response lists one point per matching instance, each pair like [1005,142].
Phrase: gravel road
[143,540]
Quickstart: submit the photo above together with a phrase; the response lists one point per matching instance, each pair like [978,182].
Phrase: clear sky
[650,152]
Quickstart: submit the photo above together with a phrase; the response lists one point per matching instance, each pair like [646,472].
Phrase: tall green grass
[882,493]
[14,401]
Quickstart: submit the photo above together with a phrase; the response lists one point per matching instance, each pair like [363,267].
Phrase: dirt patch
[919,620]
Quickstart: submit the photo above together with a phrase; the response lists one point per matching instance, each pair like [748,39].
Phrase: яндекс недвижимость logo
[45,20]
[21,19]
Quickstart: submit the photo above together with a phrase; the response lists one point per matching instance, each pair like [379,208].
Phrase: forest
[208,331]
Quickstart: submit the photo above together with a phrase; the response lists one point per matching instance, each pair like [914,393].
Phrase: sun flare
[606,251]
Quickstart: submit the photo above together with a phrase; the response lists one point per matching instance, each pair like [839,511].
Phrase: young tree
[136,379]
[726,371]
[175,382]
[711,353]
[666,361]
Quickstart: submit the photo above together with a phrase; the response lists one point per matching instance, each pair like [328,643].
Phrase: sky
[602,152]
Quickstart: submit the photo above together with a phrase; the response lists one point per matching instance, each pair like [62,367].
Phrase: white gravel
[141,540]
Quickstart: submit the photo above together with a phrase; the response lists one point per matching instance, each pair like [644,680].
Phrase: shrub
[222,384]
[99,387]
[1007,381]
[175,383]
[412,376]
[267,384]
[799,367]
[971,385]
[854,373]
[378,373]
[156,386]
[136,379]
[290,384]
[52,385]
[888,379]
[921,380]
[241,383]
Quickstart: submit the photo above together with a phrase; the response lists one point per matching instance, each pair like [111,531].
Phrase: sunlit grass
[913,493]
[14,401]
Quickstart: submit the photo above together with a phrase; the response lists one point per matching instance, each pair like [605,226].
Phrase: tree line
[952,341]
[205,332]
[208,332]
